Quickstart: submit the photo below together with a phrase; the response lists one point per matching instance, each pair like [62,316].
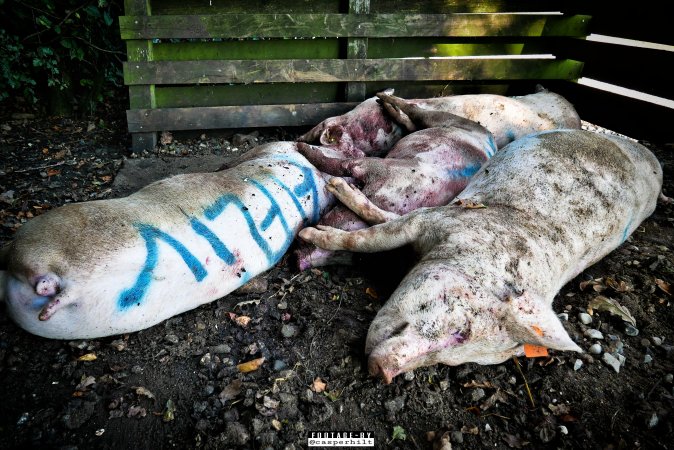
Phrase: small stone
[487,427]
[457,437]
[611,361]
[656,340]
[669,378]
[595,349]
[594,334]
[279,365]
[648,359]
[631,331]
[653,421]
[288,330]
[562,429]
[205,360]
[622,359]
[395,405]
[512,380]
[585,318]
[171,339]
[408,376]
[577,365]
[477,394]
[220,349]
[563,316]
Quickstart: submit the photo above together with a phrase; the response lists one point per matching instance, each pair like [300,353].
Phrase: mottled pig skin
[425,168]
[115,266]
[537,214]
[368,131]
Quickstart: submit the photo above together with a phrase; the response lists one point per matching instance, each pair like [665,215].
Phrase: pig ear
[331,135]
[531,320]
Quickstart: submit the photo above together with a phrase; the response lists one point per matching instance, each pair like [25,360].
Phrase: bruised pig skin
[115,266]
[425,168]
[368,130]
[537,214]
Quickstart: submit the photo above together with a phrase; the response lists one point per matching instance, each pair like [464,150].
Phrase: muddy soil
[180,384]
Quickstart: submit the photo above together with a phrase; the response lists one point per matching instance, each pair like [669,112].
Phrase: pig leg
[357,202]
[386,236]
[404,111]
[326,164]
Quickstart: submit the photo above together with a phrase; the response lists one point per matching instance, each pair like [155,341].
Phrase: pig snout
[47,285]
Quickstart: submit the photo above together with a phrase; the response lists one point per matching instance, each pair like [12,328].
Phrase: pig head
[537,214]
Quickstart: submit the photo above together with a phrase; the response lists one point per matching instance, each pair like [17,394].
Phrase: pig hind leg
[357,202]
[386,236]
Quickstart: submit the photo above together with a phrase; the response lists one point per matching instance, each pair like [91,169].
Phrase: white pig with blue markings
[534,216]
[114,266]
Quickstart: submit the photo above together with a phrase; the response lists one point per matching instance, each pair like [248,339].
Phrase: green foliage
[71,46]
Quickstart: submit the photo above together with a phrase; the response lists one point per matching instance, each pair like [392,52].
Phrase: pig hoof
[47,285]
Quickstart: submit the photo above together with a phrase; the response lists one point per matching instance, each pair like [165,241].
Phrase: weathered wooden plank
[443,46]
[246,94]
[636,68]
[248,49]
[357,49]
[349,25]
[465,6]
[635,118]
[331,70]
[172,7]
[140,96]
[232,116]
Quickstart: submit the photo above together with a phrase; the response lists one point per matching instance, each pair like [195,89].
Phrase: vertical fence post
[357,49]
[140,97]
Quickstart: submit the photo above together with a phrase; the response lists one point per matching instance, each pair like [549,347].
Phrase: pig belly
[177,262]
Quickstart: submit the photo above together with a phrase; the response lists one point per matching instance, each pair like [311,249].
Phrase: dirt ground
[177,384]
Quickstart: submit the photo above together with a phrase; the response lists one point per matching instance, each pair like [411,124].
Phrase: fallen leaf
[318,385]
[45,151]
[251,365]
[53,172]
[106,178]
[474,410]
[664,286]
[559,410]
[497,396]
[478,384]
[142,391]
[231,391]
[618,286]
[468,204]
[372,293]
[333,395]
[470,430]
[601,303]
[136,411]
[241,321]
[85,382]
[534,351]
[169,411]
[88,357]
[276,424]
[596,284]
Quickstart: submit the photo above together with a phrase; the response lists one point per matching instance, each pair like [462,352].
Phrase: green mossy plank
[331,70]
[233,116]
[433,47]
[349,25]
[428,90]
[240,94]
[177,7]
[465,6]
[267,49]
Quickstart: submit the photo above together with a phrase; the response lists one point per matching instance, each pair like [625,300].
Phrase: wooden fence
[204,64]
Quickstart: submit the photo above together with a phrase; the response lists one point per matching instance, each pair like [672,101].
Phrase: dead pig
[367,130]
[537,214]
[115,266]
[425,168]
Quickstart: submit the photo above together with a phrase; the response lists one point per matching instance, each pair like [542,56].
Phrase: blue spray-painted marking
[626,230]
[510,135]
[491,149]
[464,172]
[219,247]
[150,234]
